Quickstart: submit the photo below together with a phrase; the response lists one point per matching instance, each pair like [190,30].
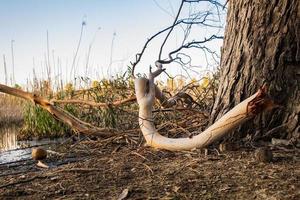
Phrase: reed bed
[10,110]
[183,120]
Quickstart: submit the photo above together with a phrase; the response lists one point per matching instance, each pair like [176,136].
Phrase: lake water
[8,138]
[12,150]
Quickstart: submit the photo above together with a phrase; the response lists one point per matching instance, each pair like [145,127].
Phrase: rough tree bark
[262,45]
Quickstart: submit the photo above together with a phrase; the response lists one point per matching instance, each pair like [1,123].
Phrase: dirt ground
[120,168]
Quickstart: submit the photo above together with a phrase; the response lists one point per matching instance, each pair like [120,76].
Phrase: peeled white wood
[145,93]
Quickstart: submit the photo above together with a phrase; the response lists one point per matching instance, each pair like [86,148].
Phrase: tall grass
[38,123]
[10,110]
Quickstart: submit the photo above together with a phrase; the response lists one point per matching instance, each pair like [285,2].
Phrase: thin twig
[166,38]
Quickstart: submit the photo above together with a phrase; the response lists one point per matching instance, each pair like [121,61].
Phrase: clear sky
[133,21]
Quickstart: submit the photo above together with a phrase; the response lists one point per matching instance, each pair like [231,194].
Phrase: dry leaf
[123,195]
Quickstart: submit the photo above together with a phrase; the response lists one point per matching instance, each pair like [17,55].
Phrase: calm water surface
[13,150]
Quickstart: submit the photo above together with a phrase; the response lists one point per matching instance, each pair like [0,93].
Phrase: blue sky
[133,21]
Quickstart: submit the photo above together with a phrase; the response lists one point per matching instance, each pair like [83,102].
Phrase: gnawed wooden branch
[95,104]
[75,123]
[160,96]
[146,92]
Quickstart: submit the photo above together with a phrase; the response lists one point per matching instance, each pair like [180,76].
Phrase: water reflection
[12,150]
[8,138]
[8,141]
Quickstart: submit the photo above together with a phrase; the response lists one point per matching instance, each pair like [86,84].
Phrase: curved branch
[210,1]
[198,19]
[242,112]
[139,55]
[95,104]
[63,116]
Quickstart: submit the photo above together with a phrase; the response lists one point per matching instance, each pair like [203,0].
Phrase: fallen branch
[16,163]
[146,92]
[95,104]
[22,181]
[17,172]
[75,123]
[81,170]
[161,97]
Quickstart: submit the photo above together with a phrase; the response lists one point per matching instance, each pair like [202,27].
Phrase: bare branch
[166,38]
[200,18]
[210,1]
[193,44]
[58,113]
[96,104]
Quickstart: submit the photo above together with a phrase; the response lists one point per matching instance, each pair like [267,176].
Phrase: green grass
[38,123]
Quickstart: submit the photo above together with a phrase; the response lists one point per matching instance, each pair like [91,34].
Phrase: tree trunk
[262,46]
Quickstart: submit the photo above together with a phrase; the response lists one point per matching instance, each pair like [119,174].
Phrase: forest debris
[95,104]
[192,172]
[206,152]
[42,165]
[280,142]
[17,172]
[55,153]
[263,154]
[20,181]
[148,168]
[123,195]
[277,129]
[81,170]
[227,147]
[139,155]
